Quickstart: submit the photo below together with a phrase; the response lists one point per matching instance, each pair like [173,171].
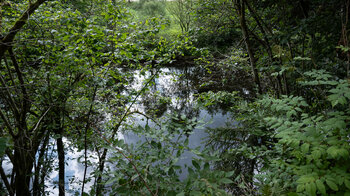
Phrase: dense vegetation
[279,68]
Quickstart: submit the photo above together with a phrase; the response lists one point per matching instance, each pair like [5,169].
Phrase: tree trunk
[38,170]
[5,180]
[61,166]
[23,165]
[241,12]
[99,186]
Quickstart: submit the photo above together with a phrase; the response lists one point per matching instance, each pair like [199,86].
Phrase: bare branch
[7,123]
[5,180]
[9,99]
[41,118]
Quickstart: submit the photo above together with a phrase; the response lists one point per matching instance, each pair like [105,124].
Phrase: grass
[142,11]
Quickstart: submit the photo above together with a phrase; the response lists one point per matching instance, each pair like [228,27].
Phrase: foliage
[63,72]
[314,147]
[214,25]
[154,9]
[182,11]
[158,154]
[66,82]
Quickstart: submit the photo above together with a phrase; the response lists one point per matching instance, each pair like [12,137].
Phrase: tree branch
[5,180]
[7,123]
[8,39]
[9,99]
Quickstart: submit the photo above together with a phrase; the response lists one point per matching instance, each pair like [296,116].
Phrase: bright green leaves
[305,148]
[313,184]
[315,146]
[332,185]
[310,188]
[222,97]
[306,179]
[309,184]
[321,187]
[340,94]
[336,152]
[291,105]
[316,154]
[318,77]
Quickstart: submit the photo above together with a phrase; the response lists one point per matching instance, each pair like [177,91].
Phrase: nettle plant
[313,147]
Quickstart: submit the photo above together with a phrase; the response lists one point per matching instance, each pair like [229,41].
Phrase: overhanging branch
[8,39]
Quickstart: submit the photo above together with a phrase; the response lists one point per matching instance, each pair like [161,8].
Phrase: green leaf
[316,154]
[300,188]
[305,179]
[347,183]
[344,153]
[181,194]
[190,171]
[226,181]
[321,187]
[332,185]
[305,148]
[310,188]
[313,188]
[196,165]
[333,151]
[229,174]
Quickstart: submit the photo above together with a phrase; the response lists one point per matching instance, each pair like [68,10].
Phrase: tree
[292,45]
[182,10]
[25,134]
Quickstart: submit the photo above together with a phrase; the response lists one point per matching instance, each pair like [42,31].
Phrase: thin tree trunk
[36,184]
[87,127]
[241,13]
[99,186]
[61,166]
[5,180]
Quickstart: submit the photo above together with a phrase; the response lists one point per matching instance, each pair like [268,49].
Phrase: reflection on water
[172,91]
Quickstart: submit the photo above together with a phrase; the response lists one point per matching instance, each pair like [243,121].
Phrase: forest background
[279,68]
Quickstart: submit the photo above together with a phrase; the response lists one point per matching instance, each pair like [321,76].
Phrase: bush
[153,9]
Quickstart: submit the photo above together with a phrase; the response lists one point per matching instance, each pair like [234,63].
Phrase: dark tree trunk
[61,166]
[5,180]
[99,185]
[36,183]
[23,165]
[241,13]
